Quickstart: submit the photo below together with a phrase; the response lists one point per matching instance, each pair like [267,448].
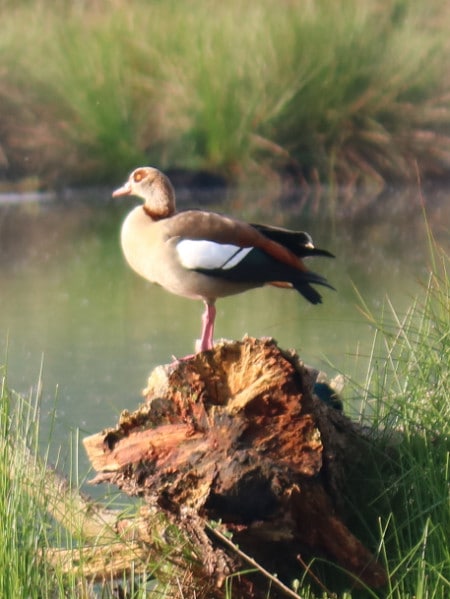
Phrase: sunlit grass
[347,91]
[407,409]
[23,526]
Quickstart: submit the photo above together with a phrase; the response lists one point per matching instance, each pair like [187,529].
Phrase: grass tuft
[23,527]
[407,410]
[350,92]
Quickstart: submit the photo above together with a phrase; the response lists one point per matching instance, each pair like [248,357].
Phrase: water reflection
[68,298]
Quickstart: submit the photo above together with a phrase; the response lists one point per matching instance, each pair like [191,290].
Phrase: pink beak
[125,190]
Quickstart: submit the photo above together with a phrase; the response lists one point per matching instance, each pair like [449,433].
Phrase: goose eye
[138,176]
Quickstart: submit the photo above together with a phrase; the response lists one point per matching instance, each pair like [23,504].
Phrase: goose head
[152,186]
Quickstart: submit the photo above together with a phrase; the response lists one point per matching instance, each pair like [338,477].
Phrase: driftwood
[237,435]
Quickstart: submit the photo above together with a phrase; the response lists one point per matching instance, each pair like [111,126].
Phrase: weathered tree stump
[237,434]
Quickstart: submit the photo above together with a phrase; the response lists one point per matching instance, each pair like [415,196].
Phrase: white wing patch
[209,255]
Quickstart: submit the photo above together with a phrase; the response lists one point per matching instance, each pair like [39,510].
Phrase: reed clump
[351,91]
[406,404]
[23,523]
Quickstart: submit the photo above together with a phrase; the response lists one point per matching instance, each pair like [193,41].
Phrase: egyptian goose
[204,255]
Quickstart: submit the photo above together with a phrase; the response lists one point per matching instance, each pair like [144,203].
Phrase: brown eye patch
[138,176]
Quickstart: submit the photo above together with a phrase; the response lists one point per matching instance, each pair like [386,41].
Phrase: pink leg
[207,341]
[208,318]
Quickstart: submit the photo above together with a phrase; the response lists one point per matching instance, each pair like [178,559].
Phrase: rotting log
[236,434]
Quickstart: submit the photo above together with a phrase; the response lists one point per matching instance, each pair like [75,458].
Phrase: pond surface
[71,306]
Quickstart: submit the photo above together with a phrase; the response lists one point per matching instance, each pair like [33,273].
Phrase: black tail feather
[309,293]
[302,284]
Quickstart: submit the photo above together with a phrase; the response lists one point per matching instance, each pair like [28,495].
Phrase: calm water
[68,301]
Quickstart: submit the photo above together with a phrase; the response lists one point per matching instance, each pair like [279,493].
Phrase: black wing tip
[298,242]
[325,253]
[317,252]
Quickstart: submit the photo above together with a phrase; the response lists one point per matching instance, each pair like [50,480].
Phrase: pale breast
[139,240]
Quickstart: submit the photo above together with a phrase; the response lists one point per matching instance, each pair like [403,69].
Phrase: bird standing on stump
[204,255]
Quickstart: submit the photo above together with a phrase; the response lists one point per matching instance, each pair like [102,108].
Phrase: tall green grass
[23,526]
[407,407]
[350,91]
[27,530]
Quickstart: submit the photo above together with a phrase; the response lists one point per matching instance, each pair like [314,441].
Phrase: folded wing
[252,264]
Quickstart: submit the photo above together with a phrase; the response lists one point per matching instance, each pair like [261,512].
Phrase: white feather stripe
[201,253]
[234,260]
